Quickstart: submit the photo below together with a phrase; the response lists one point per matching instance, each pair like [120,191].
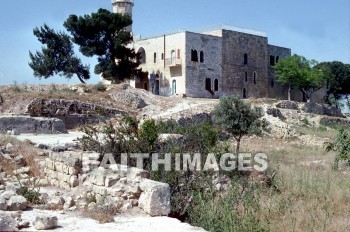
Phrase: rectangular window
[155,57]
[162,56]
[178,53]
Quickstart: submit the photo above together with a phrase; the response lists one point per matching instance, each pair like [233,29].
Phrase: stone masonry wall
[234,46]
[125,187]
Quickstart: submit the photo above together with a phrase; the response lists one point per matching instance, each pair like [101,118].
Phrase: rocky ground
[287,124]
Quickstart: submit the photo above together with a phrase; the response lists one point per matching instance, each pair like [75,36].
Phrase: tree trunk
[80,79]
[237,151]
[289,89]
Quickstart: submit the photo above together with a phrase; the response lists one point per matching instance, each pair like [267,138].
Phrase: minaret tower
[123,7]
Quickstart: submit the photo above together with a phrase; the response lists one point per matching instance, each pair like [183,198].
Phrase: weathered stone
[17,203]
[23,170]
[74,181]
[56,202]
[3,205]
[287,105]
[275,113]
[45,222]
[111,180]
[155,198]
[23,124]
[23,225]
[323,109]
[8,194]
[7,223]
[69,202]
[92,206]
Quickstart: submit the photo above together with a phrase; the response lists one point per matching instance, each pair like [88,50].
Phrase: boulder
[56,202]
[3,205]
[7,223]
[322,109]
[45,222]
[275,113]
[287,105]
[155,198]
[17,203]
[8,194]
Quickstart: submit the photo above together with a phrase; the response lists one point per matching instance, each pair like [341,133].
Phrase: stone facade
[223,61]
[211,64]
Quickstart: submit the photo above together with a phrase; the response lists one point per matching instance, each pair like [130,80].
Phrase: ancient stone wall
[244,64]
[125,187]
[197,72]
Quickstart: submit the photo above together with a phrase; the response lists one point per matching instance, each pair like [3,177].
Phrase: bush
[341,145]
[32,195]
[100,87]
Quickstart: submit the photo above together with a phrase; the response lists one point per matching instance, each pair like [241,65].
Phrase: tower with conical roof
[123,7]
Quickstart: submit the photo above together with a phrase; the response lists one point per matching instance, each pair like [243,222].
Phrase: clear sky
[316,29]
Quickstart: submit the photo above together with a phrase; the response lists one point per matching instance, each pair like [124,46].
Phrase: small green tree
[341,145]
[57,57]
[298,72]
[237,118]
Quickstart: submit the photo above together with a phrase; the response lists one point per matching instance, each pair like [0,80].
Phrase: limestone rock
[24,124]
[7,223]
[3,205]
[45,222]
[56,202]
[17,203]
[8,194]
[155,198]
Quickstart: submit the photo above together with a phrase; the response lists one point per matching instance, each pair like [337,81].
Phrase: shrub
[341,145]
[100,87]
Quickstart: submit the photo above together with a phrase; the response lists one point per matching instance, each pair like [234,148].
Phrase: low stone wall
[72,112]
[24,124]
[62,170]
[126,187]
[63,107]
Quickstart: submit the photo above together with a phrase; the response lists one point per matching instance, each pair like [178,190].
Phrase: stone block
[155,198]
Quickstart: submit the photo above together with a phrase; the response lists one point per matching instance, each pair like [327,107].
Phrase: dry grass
[313,196]
[102,214]
[26,149]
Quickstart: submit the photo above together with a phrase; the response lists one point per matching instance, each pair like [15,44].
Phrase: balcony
[173,62]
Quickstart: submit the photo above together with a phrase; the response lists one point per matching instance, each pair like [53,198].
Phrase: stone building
[209,63]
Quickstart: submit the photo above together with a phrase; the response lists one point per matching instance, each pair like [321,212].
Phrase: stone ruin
[125,187]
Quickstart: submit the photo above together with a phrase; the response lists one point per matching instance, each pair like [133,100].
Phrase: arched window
[194,55]
[272,60]
[201,56]
[216,85]
[245,58]
[142,55]
[145,85]
[246,76]
[155,57]
[277,59]
[244,93]
[254,74]
[173,56]
[272,83]
[208,84]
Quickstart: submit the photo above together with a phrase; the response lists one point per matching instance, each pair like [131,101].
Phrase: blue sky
[315,29]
